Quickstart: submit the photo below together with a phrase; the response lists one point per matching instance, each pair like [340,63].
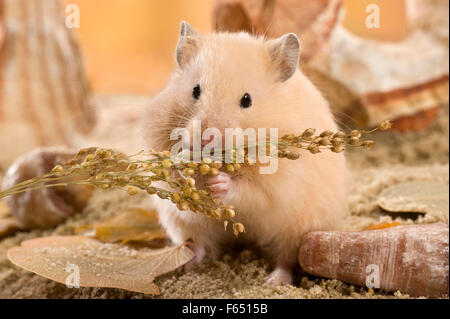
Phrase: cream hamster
[236,80]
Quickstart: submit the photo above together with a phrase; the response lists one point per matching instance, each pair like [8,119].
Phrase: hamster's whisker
[343,114]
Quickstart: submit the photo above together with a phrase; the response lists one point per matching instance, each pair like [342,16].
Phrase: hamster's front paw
[220,185]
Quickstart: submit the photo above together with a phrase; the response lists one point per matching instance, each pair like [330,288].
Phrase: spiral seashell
[412,259]
[44,96]
[371,80]
[44,207]
[430,15]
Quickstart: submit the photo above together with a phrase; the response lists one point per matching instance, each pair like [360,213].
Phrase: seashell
[44,207]
[427,197]
[430,15]
[312,21]
[386,80]
[412,259]
[8,224]
[44,96]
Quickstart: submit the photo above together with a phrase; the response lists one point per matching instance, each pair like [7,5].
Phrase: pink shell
[412,259]
[43,207]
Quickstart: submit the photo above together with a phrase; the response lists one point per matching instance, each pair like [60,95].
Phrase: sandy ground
[240,274]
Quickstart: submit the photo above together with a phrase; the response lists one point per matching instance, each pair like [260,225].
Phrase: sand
[240,274]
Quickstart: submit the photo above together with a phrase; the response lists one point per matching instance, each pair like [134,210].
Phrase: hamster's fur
[277,209]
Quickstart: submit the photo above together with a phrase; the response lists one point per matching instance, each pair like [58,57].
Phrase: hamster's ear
[283,53]
[187,44]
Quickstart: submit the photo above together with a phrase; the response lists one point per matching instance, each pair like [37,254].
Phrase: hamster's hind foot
[199,251]
[280,276]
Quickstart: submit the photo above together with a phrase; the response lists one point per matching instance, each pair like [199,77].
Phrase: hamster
[213,73]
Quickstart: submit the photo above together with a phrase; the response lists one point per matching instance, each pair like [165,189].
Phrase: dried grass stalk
[105,169]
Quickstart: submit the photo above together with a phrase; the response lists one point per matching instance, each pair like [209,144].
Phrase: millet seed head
[368,144]
[385,125]
[337,148]
[131,190]
[204,169]
[308,132]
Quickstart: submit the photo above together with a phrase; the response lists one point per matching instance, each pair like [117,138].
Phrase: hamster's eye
[246,101]
[196,91]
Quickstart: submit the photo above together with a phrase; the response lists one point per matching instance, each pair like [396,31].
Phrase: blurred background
[128,45]
[74,71]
